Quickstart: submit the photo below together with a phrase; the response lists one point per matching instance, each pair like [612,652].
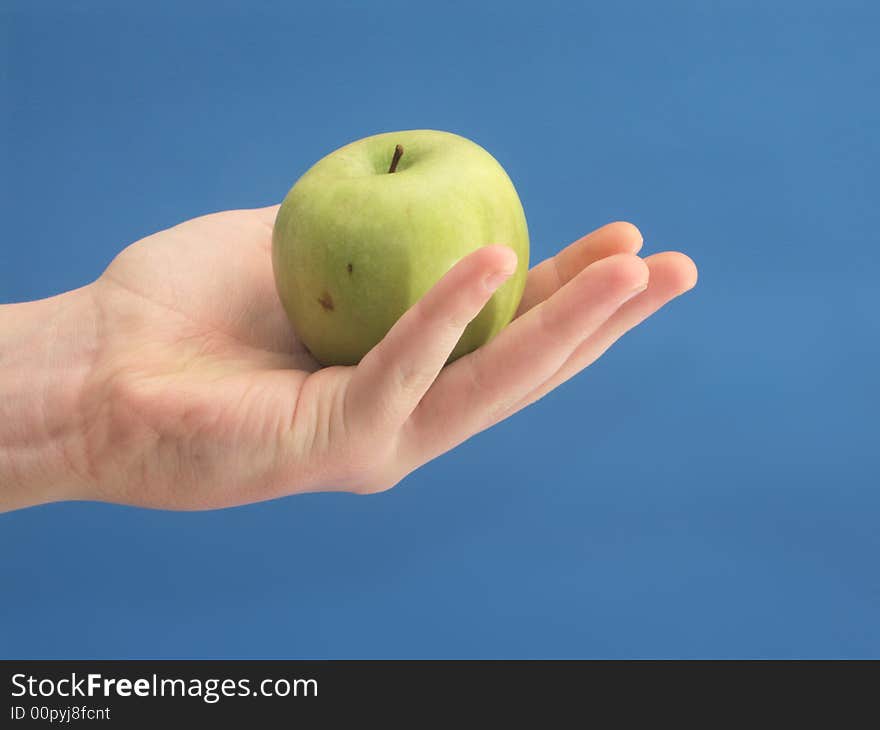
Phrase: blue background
[708,489]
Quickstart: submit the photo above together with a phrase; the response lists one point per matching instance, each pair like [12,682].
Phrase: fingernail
[496,279]
[634,293]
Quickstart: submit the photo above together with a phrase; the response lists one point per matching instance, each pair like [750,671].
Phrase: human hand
[197,393]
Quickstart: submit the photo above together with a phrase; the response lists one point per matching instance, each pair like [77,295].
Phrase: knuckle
[450,315]
[478,377]
[369,487]
[410,379]
[377,483]
[365,466]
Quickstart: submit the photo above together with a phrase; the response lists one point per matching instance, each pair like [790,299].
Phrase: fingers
[545,278]
[671,274]
[391,379]
[468,394]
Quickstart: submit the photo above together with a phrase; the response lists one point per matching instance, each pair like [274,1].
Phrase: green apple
[368,229]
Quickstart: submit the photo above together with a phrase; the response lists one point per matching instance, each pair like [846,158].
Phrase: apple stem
[398,153]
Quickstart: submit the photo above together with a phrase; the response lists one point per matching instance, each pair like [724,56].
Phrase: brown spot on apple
[326,301]
[350,268]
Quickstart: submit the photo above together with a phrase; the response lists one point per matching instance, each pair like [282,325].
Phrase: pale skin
[175,381]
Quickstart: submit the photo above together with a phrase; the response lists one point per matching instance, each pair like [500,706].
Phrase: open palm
[202,396]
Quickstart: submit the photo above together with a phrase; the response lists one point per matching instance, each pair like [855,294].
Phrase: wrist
[47,350]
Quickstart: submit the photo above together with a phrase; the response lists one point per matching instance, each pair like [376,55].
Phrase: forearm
[47,348]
